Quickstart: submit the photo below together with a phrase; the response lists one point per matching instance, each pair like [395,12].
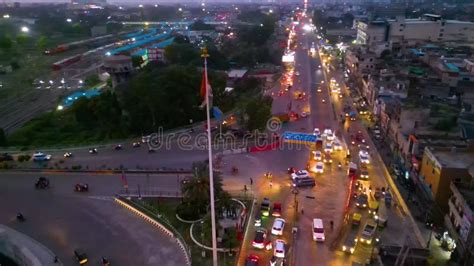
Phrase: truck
[381,216]
[283,117]
[352,170]
[319,144]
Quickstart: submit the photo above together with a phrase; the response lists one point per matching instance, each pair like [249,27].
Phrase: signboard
[296,137]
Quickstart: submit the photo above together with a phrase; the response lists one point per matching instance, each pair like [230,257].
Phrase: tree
[6,43]
[196,190]
[200,25]
[92,80]
[42,42]
[137,61]
[182,53]
[257,112]
[3,138]
[230,238]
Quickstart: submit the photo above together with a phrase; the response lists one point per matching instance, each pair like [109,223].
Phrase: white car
[300,174]
[278,226]
[337,146]
[327,132]
[318,156]
[328,147]
[316,131]
[279,250]
[319,168]
[330,136]
[39,156]
[364,158]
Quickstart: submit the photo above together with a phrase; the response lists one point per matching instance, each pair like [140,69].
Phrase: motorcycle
[105,261]
[235,170]
[20,217]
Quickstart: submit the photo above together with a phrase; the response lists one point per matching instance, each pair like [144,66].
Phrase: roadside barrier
[153,219]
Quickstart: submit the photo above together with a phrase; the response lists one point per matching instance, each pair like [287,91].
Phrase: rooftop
[236,73]
[467,192]
[454,158]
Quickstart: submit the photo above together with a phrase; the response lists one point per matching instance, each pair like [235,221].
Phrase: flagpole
[205,55]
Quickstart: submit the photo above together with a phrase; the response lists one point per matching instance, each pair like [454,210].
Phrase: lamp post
[295,192]
[431,234]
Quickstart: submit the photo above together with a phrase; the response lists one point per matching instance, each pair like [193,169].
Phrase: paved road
[331,187]
[64,220]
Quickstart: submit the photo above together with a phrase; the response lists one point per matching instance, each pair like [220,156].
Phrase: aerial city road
[221,133]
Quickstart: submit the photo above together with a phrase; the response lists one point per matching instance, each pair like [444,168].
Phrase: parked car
[5,157]
[39,156]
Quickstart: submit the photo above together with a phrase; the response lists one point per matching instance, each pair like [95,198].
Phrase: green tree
[230,238]
[200,25]
[22,39]
[137,61]
[42,43]
[92,80]
[257,112]
[182,53]
[6,43]
[196,190]
[3,138]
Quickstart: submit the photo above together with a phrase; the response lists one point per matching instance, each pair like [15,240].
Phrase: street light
[295,192]
[25,29]
[69,20]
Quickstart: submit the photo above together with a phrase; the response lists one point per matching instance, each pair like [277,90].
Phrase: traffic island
[197,240]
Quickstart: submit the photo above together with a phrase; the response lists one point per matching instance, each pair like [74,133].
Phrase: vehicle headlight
[344,248]
[365,205]
[352,250]
[369,241]
[376,217]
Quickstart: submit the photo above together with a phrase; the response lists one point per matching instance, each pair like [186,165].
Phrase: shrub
[187,211]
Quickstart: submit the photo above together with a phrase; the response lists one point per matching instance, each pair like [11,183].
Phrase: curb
[158,225]
[187,221]
[201,245]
